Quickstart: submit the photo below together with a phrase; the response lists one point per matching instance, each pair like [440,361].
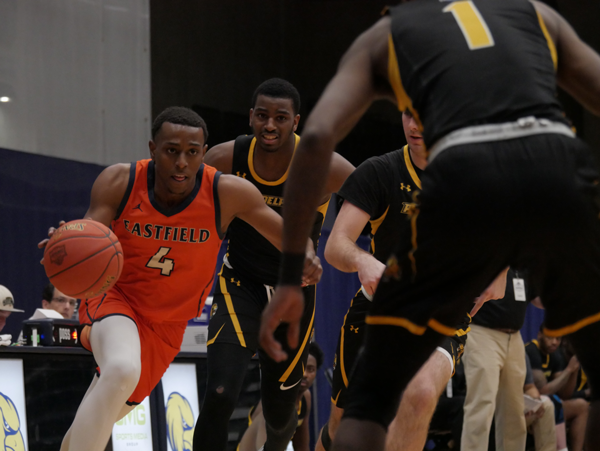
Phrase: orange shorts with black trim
[160,342]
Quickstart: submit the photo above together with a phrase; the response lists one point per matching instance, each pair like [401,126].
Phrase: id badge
[519,289]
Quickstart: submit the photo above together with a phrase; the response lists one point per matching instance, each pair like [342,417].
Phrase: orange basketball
[83,258]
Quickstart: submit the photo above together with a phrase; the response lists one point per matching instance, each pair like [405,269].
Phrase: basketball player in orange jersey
[250,271]
[170,214]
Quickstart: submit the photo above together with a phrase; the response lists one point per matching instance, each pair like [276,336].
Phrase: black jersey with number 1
[460,70]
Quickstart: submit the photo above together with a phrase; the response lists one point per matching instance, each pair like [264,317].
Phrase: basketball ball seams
[100,290]
[83,260]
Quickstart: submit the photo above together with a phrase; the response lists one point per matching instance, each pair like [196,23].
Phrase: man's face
[310,372]
[178,152]
[548,344]
[414,138]
[273,122]
[3,315]
[63,304]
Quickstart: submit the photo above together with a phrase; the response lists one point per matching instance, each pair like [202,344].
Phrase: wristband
[290,269]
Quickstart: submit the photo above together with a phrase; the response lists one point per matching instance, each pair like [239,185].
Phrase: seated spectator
[54,299]
[551,376]
[7,305]
[540,422]
[256,434]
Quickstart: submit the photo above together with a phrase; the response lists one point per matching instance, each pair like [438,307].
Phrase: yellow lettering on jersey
[471,23]
[274,201]
[408,207]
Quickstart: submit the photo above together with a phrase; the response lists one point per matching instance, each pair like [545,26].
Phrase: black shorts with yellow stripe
[351,339]
[235,317]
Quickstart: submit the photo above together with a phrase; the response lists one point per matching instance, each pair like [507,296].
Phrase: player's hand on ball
[286,306]
[51,230]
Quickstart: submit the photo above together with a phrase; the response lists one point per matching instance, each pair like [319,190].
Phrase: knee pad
[325,438]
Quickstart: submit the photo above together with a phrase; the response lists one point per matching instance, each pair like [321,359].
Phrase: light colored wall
[78,74]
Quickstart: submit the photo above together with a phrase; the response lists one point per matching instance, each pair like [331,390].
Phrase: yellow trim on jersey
[258,177]
[440,328]
[230,309]
[395,321]
[323,208]
[549,40]
[410,167]
[461,332]
[341,356]
[573,327]
[211,341]
[375,223]
[336,398]
[583,380]
[301,349]
[395,80]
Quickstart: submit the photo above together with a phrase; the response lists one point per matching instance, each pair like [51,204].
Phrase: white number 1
[471,23]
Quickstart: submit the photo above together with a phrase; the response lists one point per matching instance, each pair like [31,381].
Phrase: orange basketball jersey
[170,253]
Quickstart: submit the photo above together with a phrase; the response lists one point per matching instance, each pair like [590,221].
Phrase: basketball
[83,258]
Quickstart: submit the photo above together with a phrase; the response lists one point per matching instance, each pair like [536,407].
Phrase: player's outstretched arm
[363,73]
[240,198]
[331,120]
[343,253]
[578,70]
[107,192]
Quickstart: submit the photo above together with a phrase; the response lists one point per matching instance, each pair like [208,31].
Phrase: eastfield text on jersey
[166,233]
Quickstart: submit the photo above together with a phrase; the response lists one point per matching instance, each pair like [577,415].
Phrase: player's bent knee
[125,373]
[422,396]
[220,399]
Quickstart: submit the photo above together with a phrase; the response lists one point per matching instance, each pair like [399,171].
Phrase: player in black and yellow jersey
[249,273]
[255,436]
[480,76]
[381,192]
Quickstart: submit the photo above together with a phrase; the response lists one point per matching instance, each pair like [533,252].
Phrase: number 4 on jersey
[471,23]
[159,262]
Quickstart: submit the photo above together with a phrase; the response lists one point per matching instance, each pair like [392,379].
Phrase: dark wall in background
[212,55]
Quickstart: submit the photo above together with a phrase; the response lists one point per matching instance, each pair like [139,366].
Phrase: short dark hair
[48,292]
[315,350]
[181,116]
[278,88]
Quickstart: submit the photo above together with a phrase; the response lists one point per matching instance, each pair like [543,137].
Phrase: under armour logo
[241,174]
[138,207]
[405,187]
[237,282]
[354,329]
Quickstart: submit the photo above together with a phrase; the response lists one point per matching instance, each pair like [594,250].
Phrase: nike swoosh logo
[283,387]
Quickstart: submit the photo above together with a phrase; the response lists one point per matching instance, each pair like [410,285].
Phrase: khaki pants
[494,364]
[542,428]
